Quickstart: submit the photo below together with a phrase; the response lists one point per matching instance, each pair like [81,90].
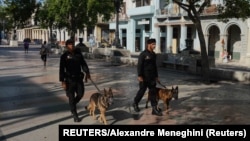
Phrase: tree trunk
[72,35]
[205,69]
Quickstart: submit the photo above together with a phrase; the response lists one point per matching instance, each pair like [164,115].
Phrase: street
[33,103]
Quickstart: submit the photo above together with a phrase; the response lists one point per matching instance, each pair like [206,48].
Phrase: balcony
[211,10]
[122,17]
[141,10]
[164,13]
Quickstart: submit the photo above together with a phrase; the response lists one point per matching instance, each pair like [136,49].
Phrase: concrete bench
[120,56]
[115,55]
[176,62]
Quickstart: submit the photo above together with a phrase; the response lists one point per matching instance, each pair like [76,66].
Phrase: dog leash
[162,85]
[94,85]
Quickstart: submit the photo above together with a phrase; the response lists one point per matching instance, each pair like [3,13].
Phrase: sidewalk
[232,71]
[233,65]
[33,104]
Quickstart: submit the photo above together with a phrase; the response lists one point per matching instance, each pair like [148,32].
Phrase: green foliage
[5,21]
[20,11]
[74,14]
[234,9]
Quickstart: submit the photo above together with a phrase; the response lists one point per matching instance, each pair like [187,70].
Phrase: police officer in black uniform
[147,77]
[72,66]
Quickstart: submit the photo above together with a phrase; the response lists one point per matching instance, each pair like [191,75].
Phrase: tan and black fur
[101,102]
[165,95]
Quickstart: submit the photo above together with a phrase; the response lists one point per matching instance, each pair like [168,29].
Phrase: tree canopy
[20,11]
[239,9]
[74,14]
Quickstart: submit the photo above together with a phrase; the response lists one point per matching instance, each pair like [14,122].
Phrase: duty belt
[74,76]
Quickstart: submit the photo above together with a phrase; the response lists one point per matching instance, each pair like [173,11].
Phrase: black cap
[69,41]
[150,41]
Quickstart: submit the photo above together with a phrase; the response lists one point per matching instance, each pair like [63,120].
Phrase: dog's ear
[172,90]
[176,87]
[110,91]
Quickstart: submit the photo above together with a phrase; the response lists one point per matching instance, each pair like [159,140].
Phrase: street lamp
[117,5]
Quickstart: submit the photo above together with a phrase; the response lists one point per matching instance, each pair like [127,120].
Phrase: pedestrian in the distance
[26,47]
[147,77]
[71,74]
[44,52]
[225,56]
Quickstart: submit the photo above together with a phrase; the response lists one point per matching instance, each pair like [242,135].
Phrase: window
[175,32]
[124,31]
[162,29]
[189,32]
[147,27]
[140,3]
[137,31]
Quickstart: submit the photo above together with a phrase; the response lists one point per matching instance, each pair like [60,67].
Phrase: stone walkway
[33,104]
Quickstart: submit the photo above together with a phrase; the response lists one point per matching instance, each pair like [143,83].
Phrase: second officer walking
[71,74]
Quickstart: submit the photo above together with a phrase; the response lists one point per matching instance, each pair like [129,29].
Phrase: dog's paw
[167,112]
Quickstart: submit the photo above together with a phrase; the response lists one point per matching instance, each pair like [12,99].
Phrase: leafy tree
[75,14]
[20,11]
[234,9]
[46,14]
[194,8]
[5,20]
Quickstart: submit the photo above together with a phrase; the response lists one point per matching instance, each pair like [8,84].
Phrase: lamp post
[117,10]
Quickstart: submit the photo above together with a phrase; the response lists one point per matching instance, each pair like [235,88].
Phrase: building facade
[171,27]
[140,20]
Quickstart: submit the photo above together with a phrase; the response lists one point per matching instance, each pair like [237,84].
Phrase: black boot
[75,116]
[136,108]
[159,109]
[155,111]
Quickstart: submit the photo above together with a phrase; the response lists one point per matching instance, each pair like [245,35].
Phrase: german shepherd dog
[165,95]
[101,102]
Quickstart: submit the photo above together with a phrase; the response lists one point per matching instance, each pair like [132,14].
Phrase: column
[169,38]
[120,37]
[196,42]
[85,38]
[248,44]
[182,11]
[77,35]
[183,37]
[131,35]
[166,41]
[156,35]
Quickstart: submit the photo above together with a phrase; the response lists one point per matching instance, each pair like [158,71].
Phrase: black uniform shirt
[147,67]
[72,64]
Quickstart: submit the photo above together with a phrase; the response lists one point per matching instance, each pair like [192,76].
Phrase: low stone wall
[193,68]
[115,55]
[226,74]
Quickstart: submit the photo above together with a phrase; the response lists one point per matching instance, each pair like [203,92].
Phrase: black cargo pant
[74,91]
[151,85]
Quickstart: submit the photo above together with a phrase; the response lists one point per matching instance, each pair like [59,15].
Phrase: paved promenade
[33,104]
